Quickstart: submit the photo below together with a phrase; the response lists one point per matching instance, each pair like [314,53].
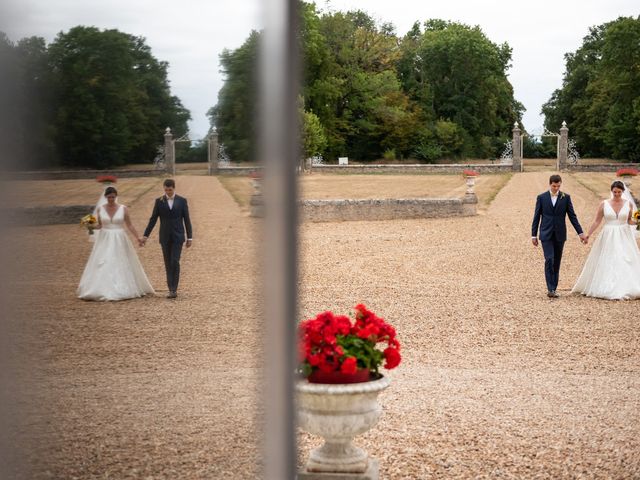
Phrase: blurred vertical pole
[278,151]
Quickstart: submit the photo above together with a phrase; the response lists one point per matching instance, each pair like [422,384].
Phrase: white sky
[190,35]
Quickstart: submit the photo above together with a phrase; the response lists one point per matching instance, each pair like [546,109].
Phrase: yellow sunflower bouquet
[90,222]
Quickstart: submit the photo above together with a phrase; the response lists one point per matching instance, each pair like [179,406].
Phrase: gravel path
[146,388]
[497,380]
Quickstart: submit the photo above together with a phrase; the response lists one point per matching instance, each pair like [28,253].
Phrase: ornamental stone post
[517,148]
[169,152]
[563,146]
[213,153]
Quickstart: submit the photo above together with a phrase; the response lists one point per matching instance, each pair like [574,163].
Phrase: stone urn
[626,179]
[338,413]
[471,182]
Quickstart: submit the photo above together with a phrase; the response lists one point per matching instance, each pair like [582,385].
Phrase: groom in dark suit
[551,209]
[173,212]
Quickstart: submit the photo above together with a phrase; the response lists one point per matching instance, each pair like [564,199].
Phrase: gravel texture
[497,380]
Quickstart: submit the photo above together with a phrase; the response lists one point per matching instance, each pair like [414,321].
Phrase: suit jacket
[551,220]
[173,221]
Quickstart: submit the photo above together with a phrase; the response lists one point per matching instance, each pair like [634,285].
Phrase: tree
[111,98]
[599,96]
[234,115]
[456,74]
[440,92]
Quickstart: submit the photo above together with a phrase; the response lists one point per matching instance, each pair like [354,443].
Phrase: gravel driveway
[497,380]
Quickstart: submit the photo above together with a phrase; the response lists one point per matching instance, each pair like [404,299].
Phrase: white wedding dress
[113,271]
[612,269]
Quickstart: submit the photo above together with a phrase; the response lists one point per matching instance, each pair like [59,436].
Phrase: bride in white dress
[612,269]
[113,271]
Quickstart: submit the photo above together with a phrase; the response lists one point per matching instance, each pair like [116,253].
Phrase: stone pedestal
[372,473]
[517,148]
[563,146]
[469,205]
[169,152]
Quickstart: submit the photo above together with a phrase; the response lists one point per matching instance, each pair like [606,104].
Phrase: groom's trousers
[552,257]
[171,252]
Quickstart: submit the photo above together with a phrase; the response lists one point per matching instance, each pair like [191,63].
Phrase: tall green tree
[600,93]
[234,115]
[456,74]
[25,103]
[111,97]
[433,93]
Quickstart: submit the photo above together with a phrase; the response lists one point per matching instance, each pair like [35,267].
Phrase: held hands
[584,238]
[534,240]
[142,241]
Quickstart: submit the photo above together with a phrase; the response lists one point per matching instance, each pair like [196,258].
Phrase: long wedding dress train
[113,271]
[612,269]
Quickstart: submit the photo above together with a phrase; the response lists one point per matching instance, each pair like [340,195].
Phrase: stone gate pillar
[169,152]
[517,148]
[563,146]
[212,153]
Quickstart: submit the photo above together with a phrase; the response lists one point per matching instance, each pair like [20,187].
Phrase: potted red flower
[341,359]
[626,172]
[106,179]
[335,350]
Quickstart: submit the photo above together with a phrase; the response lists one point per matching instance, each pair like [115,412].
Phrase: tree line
[439,91]
[99,98]
[92,98]
[600,94]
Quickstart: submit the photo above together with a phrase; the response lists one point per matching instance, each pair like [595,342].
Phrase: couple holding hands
[612,268]
[113,271]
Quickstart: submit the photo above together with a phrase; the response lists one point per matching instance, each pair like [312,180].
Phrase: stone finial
[167,131]
[515,125]
[564,124]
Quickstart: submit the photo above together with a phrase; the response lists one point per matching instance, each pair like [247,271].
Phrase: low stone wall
[237,171]
[79,174]
[386,209]
[601,167]
[49,215]
[435,168]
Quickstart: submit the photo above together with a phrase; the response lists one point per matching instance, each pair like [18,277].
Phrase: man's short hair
[555,179]
[170,182]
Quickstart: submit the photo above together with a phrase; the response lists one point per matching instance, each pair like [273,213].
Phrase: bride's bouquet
[90,222]
[636,217]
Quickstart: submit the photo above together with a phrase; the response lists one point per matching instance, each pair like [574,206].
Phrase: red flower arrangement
[470,173]
[106,179]
[331,343]
[626,172]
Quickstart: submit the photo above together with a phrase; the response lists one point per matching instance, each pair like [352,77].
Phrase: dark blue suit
[553,232]
[173,223]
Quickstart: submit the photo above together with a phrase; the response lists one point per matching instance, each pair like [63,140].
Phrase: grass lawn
[328,186]
[600,182]
[32,193]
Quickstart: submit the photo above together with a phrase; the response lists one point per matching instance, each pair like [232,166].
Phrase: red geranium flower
[392,356]
[626,172]
[331,343]
[349,365]
[106,179]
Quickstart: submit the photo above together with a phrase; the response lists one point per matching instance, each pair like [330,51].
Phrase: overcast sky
[191,34]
